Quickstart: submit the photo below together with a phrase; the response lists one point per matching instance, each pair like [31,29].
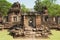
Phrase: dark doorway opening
[32,21]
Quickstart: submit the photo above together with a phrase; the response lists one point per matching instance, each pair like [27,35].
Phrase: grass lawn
[4,35]
[55,35]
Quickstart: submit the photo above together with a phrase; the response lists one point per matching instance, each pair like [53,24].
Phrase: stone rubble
[42,31]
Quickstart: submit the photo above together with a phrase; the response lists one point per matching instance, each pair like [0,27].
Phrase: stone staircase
[28,31]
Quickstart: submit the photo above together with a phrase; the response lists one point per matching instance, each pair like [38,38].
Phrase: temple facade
[31,23]
[29,19]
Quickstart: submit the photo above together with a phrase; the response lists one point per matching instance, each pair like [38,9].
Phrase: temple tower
[14,14]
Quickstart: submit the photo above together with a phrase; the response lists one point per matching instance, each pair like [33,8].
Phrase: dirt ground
[30,39]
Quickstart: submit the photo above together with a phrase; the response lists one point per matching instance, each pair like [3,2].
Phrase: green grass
[55,35]
[4,35]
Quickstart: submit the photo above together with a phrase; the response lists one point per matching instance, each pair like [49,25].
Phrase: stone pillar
[38,20]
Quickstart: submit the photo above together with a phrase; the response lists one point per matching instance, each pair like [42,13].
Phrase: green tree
[38,5]
[4,7]
[53,8]
[24,9]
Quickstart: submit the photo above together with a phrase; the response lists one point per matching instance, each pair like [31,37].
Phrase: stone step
[29,32]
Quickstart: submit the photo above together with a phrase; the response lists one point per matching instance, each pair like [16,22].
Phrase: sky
[28,3]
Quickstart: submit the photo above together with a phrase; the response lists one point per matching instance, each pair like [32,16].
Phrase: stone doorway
[30,21]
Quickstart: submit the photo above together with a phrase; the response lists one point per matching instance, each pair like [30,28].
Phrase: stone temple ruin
[29,24]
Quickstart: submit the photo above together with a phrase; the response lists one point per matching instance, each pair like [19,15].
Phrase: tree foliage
[24,9]
[38,5]
[53,8]
[4,7]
